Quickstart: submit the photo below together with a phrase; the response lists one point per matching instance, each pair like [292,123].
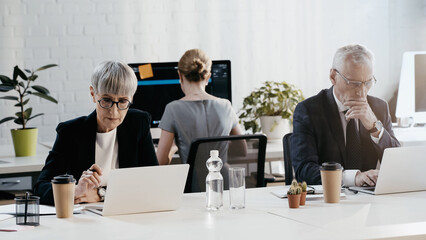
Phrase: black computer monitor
[154,93]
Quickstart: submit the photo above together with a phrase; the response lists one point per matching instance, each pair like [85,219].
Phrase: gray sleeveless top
[189,120]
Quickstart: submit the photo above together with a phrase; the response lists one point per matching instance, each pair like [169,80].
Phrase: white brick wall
[291,40]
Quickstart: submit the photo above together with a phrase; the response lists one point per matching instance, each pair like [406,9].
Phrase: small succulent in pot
[304,187]
[294,188]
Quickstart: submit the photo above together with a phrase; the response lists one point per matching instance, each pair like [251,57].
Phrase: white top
[106,154]
[348,178]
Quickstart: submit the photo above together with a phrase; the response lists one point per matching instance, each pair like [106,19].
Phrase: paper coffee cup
[63,195]
[331,178]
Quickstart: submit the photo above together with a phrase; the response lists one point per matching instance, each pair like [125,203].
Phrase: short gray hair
[111,77]
[358,54]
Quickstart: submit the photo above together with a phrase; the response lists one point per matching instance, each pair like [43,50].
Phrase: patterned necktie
[353,146]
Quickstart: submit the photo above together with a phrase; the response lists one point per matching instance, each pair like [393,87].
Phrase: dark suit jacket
[318,136]
[74,149]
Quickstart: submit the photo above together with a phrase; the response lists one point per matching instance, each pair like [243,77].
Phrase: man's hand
[360,109]
[368,178]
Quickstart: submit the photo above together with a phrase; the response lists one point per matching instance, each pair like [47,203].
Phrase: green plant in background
[271,99]
[24,90]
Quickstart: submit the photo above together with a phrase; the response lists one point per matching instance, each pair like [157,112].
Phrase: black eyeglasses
[356,84]
[107,103]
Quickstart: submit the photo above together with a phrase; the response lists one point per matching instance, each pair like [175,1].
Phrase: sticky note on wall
[145,71]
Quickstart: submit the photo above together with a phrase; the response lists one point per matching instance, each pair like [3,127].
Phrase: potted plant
[273,105]
[293,195]
[24,138]
[304,187]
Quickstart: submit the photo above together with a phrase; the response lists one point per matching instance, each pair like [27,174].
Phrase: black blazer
[318,136]
[74,149]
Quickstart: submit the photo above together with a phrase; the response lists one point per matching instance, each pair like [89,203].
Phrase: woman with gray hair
[113,136]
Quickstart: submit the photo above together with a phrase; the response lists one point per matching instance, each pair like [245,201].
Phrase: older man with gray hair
[343,124]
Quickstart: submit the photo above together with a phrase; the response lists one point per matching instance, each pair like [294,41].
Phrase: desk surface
[359,216]
[412,136]
[11,164]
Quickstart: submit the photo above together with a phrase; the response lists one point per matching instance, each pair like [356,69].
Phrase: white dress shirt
[348,177]
[106,154]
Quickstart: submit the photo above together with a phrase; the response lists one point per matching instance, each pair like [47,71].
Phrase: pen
[92,170]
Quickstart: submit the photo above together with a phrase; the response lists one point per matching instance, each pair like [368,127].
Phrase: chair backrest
[288,167]
[246,151]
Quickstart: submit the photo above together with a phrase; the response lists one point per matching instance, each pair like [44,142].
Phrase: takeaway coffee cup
[331,177]
[63,194]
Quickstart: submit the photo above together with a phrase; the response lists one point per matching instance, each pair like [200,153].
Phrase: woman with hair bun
[198,114]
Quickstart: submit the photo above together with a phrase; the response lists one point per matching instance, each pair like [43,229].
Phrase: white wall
[291,40]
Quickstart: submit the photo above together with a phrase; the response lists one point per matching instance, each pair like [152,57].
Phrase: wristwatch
[101,193]
[376,127]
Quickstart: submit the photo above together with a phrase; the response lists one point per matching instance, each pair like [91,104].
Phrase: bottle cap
[214,153]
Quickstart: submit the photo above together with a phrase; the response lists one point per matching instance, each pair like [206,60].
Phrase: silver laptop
[402,170]
[143,189]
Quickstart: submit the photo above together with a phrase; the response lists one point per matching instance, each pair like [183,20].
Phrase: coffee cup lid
[331,166]
[63,179]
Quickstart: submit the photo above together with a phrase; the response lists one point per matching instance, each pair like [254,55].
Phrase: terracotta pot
[303,198]
[293,201]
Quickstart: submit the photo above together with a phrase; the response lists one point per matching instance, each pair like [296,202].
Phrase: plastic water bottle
[214,182]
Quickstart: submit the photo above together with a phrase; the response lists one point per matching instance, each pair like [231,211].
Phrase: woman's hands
[87,187]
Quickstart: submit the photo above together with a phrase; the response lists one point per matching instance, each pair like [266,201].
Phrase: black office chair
[288,167]
[235,151]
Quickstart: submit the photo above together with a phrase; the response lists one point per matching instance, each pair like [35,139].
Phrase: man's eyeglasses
[356,84]
[107,103]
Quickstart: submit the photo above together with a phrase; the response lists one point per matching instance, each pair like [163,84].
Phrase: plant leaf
[10,98]
[33,77]
[6,80]
[35,116]
[23,104]
[6,119]
[19,121]
[40,89]
[46,67]
[18,114]
[47,97]
[6,88]
[27,113]
[22,84]
[18,72]
[27,70]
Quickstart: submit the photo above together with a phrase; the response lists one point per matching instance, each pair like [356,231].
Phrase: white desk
[413,136]
[265,217]
[11,164]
